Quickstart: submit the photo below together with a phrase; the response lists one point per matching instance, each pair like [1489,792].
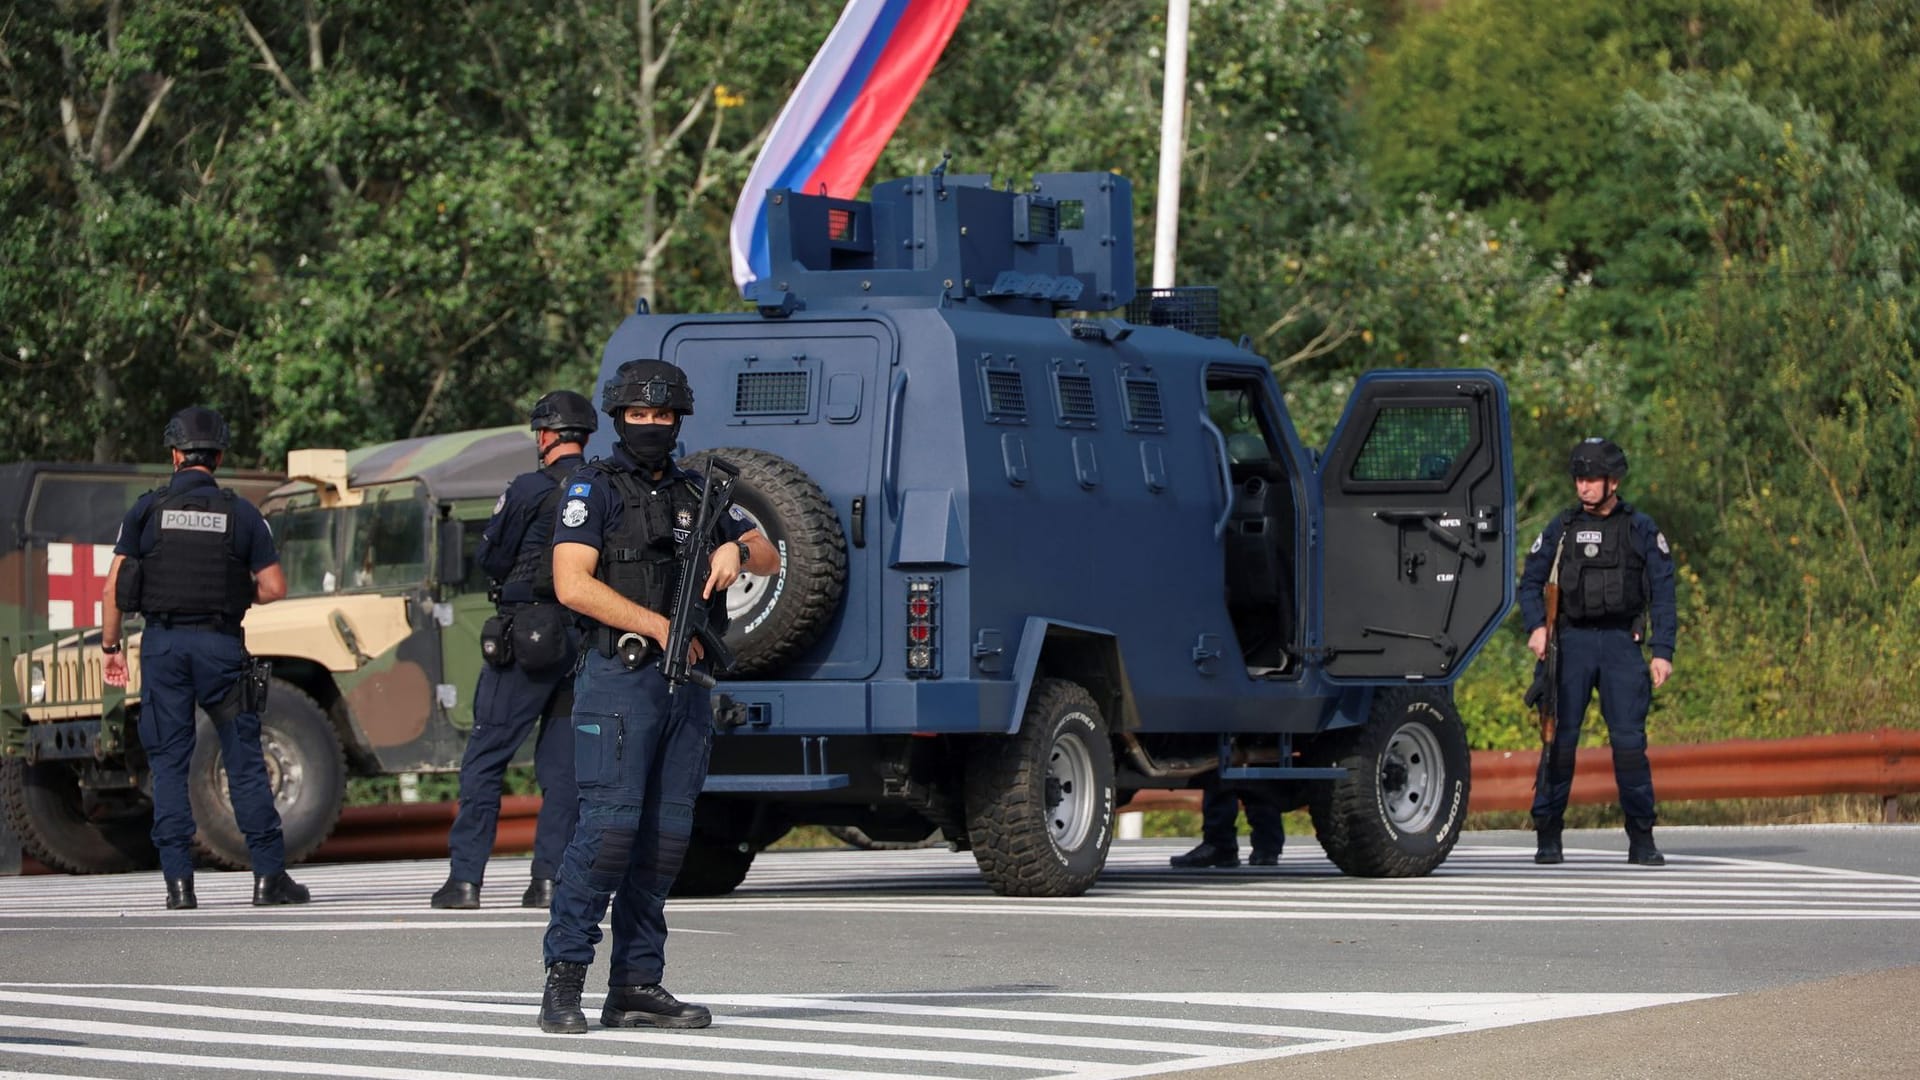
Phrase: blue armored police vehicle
[1037,558]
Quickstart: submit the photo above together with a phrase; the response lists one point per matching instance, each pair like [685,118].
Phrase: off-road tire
[305,764]
[1399,810]
[42,807]
[776,619]
[1040,801]
[713,867]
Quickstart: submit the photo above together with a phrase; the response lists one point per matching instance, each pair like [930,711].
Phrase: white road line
[891,1008]
[542,1054]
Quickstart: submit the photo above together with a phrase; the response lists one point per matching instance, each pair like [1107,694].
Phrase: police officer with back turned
[1615,576]
[641,748]
[529,648]
[192,557]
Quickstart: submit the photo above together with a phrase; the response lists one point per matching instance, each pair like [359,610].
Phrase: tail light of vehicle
[923,628]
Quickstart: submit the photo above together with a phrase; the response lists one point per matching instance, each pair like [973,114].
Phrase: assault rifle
[1544,694]
[688,618]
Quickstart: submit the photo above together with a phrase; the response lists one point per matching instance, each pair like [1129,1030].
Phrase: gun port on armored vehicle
[374,651]
[1046,543]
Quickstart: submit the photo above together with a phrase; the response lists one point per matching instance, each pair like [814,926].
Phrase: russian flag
[843,111]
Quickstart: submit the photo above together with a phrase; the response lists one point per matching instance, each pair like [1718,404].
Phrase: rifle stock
[687,620]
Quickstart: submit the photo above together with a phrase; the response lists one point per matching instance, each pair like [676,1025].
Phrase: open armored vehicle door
[1417,486]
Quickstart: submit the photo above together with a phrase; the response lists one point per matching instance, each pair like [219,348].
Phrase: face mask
[650,444]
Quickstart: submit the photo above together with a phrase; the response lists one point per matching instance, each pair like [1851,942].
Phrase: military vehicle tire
[777,618]
[1399,810]
[305,765]
[1040,801]
[43,807]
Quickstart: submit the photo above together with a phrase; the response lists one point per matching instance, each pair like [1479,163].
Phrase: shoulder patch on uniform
[579,491]
[1660,541]
[736,513]
[1537,541]
[574,515]
[500,503]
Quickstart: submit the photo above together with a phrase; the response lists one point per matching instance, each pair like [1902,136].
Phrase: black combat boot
[277,888]
[539,894]
[1205,856]
[180,895]
[456,895]
[1547,837]
[1264,857]
[650,1006]
[560,1005]
[1640,849]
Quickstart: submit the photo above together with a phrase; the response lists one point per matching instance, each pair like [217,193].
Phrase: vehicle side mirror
[451,568]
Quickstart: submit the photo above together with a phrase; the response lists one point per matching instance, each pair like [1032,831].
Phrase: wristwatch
[111,650]
[746,553]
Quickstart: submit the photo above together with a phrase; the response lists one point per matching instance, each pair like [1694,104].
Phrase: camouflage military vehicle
[375,650]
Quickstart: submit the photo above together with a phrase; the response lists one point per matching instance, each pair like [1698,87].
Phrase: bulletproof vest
[533,563]
[1602,575]
[193,570]
[637,556]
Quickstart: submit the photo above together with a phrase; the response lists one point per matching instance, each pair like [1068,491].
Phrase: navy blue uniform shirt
[516,522]
[590,506]
[251,540]
[1662,610]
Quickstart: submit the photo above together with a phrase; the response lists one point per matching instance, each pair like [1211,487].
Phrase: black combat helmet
[653,383]
[1597,457]
[196,428]
[564,410]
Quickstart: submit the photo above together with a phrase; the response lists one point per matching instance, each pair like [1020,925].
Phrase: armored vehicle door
[1416,545]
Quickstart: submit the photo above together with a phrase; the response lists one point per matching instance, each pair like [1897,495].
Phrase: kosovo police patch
[1535,549]
[575,514]
[737,513]
[579,491]
[500,503]
[1660,540]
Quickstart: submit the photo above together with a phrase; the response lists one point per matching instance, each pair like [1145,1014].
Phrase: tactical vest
[193,570]
[533,563]
[637,556]
[1602,575]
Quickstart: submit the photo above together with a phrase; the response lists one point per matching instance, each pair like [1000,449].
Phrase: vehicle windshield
[379,544]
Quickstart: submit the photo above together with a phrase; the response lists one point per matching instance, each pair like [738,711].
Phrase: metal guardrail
[1885,763]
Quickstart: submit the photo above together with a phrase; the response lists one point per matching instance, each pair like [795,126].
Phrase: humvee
[375,650]
[1046,543]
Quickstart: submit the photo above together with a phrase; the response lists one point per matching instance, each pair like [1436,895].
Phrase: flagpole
[1173,114]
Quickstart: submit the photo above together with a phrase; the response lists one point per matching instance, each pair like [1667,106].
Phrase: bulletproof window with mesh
[1143,405]
[1006,396]
[1076,398]
[771,393]
[1414,443]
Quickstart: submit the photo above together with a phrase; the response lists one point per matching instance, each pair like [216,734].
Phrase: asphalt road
[1776,952]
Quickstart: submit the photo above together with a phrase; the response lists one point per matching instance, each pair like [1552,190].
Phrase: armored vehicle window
[84,509]
[1144,411]
[1073,395]
[387,538]
[1414,443]
[1006,396]
[771,393]
[309,546]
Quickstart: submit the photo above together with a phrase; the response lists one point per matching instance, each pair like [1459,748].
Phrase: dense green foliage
[1689,225]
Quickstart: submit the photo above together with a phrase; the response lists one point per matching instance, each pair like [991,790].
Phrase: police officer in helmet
[641,751]
[529,648]
[1615,574]
[192,557]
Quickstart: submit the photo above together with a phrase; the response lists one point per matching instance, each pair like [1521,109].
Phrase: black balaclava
[650,444]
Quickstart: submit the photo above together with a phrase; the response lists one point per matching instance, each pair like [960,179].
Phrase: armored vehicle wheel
[776,618]
[47,810]
[1399,809]
[1040,803]
[305,766]
[726,836]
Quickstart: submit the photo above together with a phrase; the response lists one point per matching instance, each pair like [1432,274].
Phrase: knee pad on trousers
[676,833]
[615,835]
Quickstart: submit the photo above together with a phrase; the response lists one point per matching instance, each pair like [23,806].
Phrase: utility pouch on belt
[496,640]
[539,637]
[254,685]
[126,587]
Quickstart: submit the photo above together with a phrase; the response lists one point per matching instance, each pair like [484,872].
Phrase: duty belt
[219,624]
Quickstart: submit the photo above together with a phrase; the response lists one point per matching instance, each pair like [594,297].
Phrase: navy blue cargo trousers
[507,703]
[640,757]
[1610,661]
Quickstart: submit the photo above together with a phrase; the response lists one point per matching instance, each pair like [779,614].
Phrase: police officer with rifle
[1614,576]
[629,536]
[529,647]
[192,557]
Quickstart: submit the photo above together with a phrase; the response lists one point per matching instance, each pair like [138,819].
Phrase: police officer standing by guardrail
[192,557]
[530,647]
[1616,592]
[641,747]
